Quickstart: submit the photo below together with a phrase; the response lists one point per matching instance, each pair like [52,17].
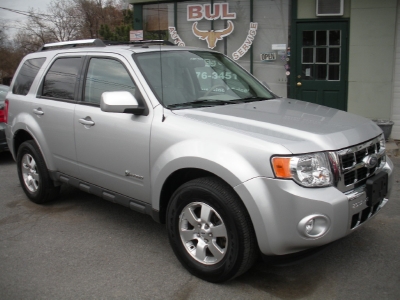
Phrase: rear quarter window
[26,75]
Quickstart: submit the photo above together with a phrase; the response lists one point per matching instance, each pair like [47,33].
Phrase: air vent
[329,8]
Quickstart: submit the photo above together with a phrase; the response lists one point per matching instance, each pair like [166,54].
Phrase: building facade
[343,54]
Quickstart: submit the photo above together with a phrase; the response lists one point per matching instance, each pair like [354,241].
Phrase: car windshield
[182,79]
[3,93]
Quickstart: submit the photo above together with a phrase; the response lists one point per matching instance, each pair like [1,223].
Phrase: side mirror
[120,102]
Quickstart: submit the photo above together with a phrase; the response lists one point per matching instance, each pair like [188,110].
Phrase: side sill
[108,195]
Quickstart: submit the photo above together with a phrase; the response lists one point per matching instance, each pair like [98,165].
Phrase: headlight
[309,170]
[382,142]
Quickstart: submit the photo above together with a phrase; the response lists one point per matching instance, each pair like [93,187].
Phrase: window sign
[136,35]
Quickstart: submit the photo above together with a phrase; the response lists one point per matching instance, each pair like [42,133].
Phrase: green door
[322,63]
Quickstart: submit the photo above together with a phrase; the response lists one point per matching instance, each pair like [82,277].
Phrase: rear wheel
[210,230]
[33,174]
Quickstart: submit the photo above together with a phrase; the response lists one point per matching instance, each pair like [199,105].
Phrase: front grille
[359,218]
[355,163]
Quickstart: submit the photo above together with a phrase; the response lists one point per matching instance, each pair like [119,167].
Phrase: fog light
[314,226]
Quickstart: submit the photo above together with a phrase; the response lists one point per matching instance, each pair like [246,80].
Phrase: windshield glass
[198,78]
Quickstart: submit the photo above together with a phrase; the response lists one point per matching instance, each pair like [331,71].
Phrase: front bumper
[276,208]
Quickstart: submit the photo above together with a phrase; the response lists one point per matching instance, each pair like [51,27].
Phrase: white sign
[175,36]
[278,46]
[136,35]
[271,56]
[247,43]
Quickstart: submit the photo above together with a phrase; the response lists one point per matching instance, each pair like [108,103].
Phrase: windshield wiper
[254,99]
[207,102]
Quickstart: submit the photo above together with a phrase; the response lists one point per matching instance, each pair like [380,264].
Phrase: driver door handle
[38,111]
[87,121]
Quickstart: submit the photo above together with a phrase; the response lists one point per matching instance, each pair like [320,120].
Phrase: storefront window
[155,21]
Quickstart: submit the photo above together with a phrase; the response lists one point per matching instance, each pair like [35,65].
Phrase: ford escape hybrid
[190,138]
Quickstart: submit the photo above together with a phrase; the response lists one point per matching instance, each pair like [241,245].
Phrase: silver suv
[190,138]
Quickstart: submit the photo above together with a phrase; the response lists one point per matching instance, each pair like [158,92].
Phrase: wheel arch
[173,182]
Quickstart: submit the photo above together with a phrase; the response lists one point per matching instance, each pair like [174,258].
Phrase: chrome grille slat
[352,167]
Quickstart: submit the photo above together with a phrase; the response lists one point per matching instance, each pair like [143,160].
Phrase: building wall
[371,57]
[396,83]
[306,9]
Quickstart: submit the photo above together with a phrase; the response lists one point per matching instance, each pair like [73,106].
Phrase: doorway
[321,63]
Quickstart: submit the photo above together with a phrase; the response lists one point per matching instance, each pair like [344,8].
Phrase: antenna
[161,70]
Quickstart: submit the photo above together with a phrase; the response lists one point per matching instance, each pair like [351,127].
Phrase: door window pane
[334,55]
[61,79]
[334,73]
[320,72]
[308,55]
[106,75]
[321,38]
[308,38]
[334,37]
[26,75]
[320,56]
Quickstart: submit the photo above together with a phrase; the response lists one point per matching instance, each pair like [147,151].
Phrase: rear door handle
[86,121]
[38,111]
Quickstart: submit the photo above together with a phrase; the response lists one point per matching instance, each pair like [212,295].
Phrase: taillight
[4,113]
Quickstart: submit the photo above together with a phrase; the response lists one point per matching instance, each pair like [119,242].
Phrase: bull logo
[212,36]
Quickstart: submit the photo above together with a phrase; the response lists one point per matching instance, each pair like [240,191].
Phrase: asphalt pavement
[83,247]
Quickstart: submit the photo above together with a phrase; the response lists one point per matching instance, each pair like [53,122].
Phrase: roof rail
[72,44]
[100,43]
[141,43]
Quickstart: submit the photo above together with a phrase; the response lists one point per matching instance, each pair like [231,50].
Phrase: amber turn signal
[281,167]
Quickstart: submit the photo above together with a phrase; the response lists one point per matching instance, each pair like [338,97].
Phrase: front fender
[222,161]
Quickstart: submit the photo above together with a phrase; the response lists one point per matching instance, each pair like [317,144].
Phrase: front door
[322,63]
[112,148]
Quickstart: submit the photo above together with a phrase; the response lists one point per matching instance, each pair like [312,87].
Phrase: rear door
[54,108]
[113,149]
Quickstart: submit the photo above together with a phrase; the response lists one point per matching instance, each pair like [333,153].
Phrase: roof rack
[100,43]
[72,44]
[141,43]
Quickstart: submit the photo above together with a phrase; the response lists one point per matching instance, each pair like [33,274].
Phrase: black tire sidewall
[228,267]
[29,148]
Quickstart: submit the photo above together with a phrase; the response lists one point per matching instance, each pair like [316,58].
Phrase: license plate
[377,188]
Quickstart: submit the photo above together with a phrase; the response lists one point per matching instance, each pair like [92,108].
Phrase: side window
[60,80]
[26,75]
[106,75]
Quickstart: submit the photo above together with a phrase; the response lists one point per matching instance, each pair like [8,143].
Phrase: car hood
[297,125]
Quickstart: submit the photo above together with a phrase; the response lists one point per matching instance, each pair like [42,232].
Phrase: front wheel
[33,174]
[210,230]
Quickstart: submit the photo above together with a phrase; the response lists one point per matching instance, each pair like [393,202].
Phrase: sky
[13,20]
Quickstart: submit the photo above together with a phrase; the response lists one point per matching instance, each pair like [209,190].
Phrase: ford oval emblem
[371,161]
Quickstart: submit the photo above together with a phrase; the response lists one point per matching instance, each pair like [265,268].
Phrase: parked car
[192,139]
[3,141]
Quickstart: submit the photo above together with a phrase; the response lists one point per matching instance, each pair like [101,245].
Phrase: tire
[33,174]
[210,230]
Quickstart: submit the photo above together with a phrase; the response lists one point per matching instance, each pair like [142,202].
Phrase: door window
[320,55]
[106,75]
[60,80]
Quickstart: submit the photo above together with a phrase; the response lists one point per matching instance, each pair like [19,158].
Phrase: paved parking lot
[82,247]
